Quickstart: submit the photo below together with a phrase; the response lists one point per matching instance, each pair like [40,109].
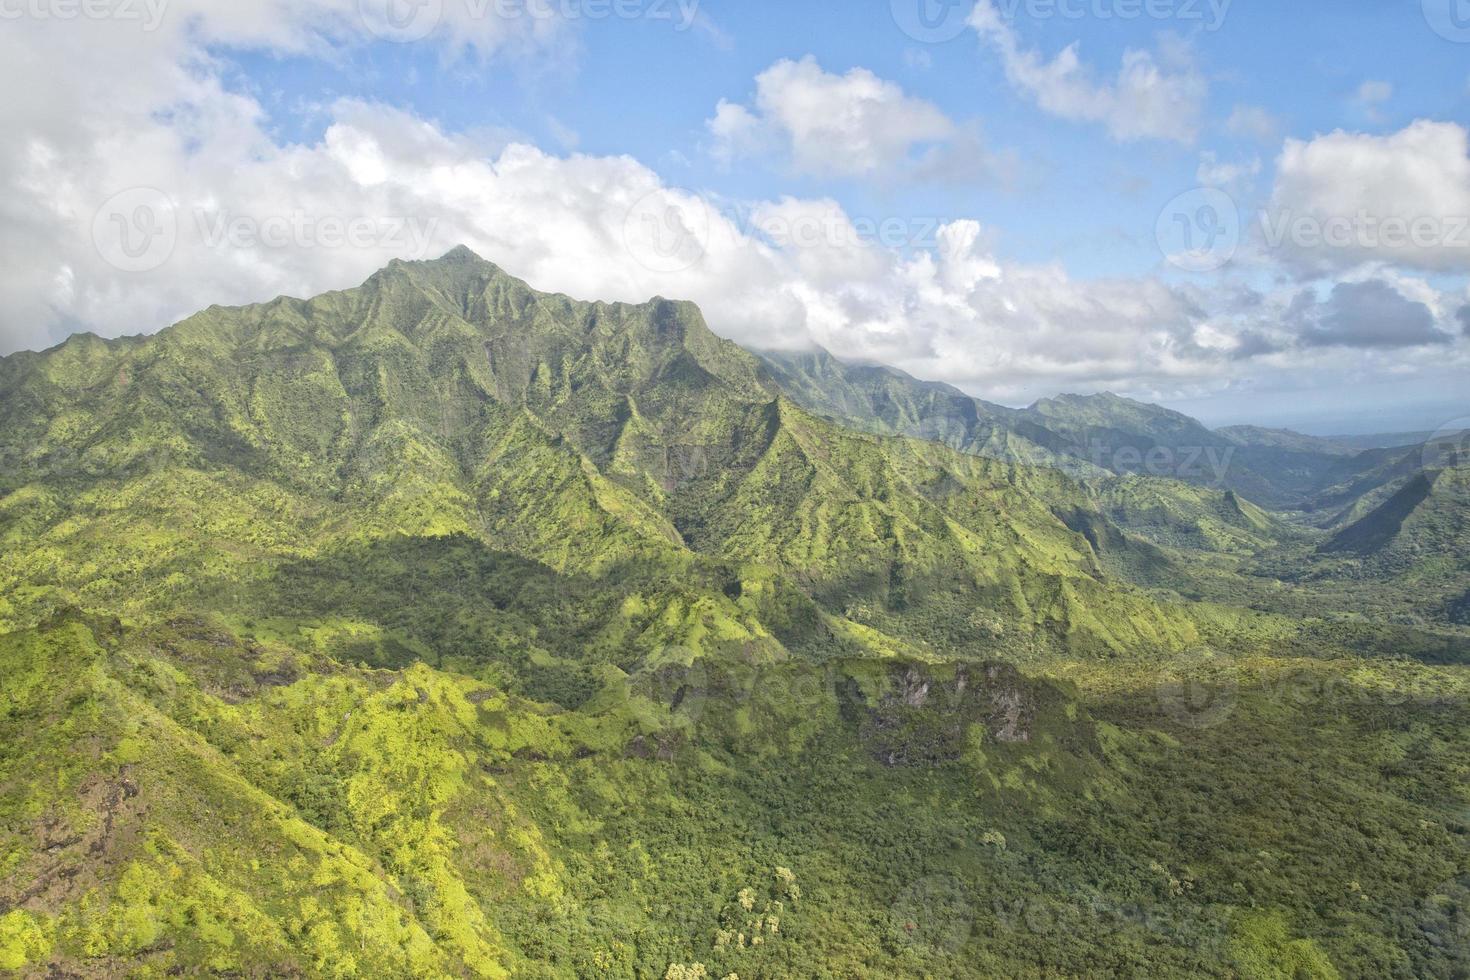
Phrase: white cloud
[1374,92]
[1371,96]
[1253,122]
[1348,198]
[737,132]
[1214,172]
[936,299]
[1370,314]
[824,124]
[918,59]
[143,105]
[1151,98]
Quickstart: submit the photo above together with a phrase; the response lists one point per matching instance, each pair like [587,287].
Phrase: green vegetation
[444,628]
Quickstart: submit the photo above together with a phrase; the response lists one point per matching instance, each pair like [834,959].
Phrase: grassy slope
[463,629]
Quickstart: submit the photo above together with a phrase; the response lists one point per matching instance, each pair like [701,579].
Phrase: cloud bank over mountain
[132,204]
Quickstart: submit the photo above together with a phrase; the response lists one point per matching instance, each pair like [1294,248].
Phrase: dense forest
[440,627]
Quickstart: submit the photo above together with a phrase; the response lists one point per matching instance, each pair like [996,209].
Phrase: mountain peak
[461,253]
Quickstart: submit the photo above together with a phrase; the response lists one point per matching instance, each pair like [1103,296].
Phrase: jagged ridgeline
[624,449]
[441,627]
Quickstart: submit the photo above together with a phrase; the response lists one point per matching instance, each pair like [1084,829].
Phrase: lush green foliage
[444,628]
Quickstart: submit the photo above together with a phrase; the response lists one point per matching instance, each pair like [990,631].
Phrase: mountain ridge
[444,627]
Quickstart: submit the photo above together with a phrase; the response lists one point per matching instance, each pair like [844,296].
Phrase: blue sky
[645,88]
[1024,165]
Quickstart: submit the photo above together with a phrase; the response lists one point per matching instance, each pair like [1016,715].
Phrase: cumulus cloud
[143,106]
[1371,96]
[1347,198]
[253,217]
[1152,97]
[1253,122]
[852,125]
[1371,314]
[1214,172]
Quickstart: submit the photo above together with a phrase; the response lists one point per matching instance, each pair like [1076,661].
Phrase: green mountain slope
[1092,436]
[440,627]
[448,397]
[887,401]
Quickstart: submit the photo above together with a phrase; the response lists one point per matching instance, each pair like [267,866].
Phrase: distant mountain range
[1087,434]
[443,627]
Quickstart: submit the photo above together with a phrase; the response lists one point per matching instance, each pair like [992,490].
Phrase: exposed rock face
[924,715]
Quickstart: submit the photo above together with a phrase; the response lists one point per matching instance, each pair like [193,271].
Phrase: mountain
[443,627]
[1085,436]
[887,401]
[1417,536]
[1275,472]
[1254,435]
[449,398]
[1091,436]
[1387,440]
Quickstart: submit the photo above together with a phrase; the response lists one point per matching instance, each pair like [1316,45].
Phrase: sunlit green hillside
[441,627]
